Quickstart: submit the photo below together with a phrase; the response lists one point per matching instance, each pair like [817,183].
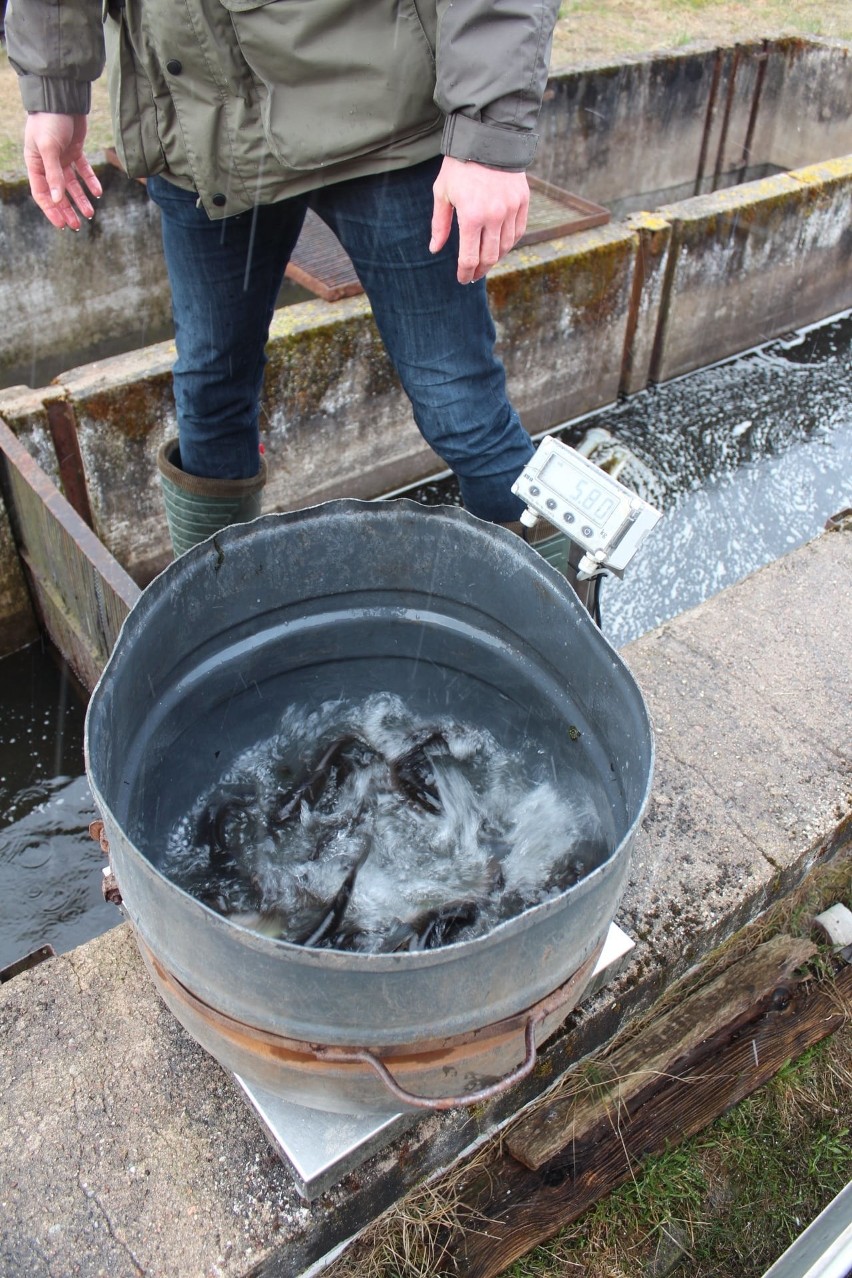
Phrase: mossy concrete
[561,311]
[647,124]
[805,105]
[580,320]
[334,419]
[25,412]
[125,410]
[647,299]
[635,128]
[753,262]
[124,1149]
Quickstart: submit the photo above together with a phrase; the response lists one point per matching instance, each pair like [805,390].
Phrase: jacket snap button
[219,200]
[174,66]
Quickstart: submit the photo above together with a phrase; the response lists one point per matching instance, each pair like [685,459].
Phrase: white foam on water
[432,831]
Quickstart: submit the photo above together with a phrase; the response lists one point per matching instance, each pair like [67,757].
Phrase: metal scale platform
[321,1148]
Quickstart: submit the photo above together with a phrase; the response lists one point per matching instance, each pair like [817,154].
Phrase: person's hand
[491,206]
[57,168]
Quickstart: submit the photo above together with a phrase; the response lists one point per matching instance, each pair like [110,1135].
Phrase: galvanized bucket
[386,595]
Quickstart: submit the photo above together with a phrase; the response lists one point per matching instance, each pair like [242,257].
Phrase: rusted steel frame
[28,961]
[708,120]
[726,118]
[763,62]
[320,264]
[587,213]
[62,421]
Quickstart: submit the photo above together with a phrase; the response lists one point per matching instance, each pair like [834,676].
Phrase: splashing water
[363,827]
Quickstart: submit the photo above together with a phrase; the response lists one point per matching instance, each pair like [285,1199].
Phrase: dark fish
[494,842]
[334,765]
[575,864]
[330,923]
[220,824]
[413,773]
[442,926]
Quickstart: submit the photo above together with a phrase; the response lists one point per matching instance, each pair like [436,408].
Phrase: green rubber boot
[196,507]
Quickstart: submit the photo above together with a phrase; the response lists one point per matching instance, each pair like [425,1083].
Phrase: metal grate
[320,264]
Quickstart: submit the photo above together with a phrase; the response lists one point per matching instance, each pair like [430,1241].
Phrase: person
[406,125]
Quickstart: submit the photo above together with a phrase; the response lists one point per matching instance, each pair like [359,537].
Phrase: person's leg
[225,277]
[438,332]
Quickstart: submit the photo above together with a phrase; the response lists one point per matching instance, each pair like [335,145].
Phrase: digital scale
[601,516]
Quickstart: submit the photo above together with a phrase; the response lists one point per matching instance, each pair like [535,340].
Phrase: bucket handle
[361,1055]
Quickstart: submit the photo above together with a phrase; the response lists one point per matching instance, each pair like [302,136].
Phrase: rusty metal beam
[62,421]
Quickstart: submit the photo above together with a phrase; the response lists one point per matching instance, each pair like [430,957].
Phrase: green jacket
[249,101]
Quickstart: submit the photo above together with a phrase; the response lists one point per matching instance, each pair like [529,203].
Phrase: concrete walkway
[125,1150]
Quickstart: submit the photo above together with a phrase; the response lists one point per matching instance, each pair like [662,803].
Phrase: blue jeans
[225,278]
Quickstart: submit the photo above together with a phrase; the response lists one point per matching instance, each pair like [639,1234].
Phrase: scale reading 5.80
[607,520]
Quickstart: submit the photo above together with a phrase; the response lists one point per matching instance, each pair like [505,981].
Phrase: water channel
[750,458]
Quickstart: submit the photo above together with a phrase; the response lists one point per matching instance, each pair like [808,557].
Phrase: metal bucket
[428,603]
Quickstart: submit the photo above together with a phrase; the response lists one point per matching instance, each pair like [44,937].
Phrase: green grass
[734,1197]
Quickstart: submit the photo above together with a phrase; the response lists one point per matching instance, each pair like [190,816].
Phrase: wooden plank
[631,1075]
[81,592]
[510,1208]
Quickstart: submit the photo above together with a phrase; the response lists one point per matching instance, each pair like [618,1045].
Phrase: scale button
[534,490]
[587,531]
[550,504]
[568,517]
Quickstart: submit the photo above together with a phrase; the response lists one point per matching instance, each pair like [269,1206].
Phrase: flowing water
[750,458]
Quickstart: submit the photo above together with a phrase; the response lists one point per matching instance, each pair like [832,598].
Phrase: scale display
[586,496]
[597,512]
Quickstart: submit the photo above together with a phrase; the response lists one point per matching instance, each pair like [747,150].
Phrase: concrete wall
[18,625]
[579,321]
[610,131]
[806,103]
[654,123]
[650,124]
[749,263]
[335,420]
[72,293]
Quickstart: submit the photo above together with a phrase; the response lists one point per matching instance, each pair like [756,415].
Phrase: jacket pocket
[134,113]
[338,80]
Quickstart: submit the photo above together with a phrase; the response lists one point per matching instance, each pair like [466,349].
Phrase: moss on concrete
[590,273]
[307,363]
[133,409]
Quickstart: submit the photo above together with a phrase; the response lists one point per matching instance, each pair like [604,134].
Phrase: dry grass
[722,1205]
[592,29]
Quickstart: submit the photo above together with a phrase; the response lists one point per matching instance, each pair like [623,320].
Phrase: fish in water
[381,833]
[334,765]
[441,927]
[413,772]
[333,916]
[224,825]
